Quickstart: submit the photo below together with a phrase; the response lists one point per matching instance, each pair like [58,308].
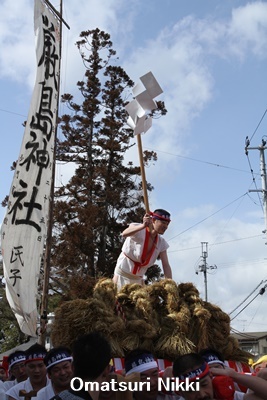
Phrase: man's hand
[147,220]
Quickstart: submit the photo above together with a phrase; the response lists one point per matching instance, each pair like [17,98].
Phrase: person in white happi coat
[58,364]
[36,371]
[16,368]
[143,362]
[142,247]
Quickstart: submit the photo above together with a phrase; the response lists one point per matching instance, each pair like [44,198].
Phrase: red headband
[199,373]
[33,359]
[158,216]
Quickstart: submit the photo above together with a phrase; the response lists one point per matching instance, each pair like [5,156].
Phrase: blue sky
[209,57]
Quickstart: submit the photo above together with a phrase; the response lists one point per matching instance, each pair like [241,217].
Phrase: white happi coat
[46,393]
[131,264]
[25,385]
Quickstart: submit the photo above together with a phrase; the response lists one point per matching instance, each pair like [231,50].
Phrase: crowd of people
[86,372]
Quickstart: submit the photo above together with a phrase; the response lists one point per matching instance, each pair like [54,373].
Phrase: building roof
[249,336]
[23,347]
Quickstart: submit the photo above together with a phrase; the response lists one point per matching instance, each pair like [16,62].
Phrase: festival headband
[57,358]
[17,358]
[35,357]
[162,217]
[140,364]
[212,359]
[199,373]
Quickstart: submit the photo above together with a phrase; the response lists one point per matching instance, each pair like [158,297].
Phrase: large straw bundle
[165,318]
[77,317]
[173,320]
[140,319]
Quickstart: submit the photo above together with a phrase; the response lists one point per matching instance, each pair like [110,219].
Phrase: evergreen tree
[104,194]
[10,333]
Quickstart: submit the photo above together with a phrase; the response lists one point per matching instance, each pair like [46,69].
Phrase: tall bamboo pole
[47,256]
[143,174]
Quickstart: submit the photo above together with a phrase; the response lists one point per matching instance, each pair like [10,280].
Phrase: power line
[11,112]
[244,263]
[223,228]
[216,244]
[199,161]
[244,334]
[204,219]
[257,127]
[247,144]
[254,180]
[246,298]
[261,292]
[255,312]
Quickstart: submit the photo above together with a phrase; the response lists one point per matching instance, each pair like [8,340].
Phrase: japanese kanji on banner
[24,229]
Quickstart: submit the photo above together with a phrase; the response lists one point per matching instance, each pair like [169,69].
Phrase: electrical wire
[243,334]
[254,182]
[255,313]
[197,160]
[204,219]
[215,244]
[246,298]
[226,223]
[248,141]
[261,292]
[14,113]
[257,127]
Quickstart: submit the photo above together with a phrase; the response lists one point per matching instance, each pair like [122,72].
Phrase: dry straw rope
[166,318]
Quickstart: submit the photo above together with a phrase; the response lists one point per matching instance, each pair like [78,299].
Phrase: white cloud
[17,58]
[248,30]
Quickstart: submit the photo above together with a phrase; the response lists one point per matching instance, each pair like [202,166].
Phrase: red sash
[145,258]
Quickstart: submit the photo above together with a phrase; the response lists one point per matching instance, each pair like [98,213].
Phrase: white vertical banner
[24,229]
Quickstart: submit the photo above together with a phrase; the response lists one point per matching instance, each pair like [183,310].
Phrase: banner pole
[143,175]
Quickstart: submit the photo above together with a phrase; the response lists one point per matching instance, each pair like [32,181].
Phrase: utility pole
[263,175]
[203,267]
[244,323]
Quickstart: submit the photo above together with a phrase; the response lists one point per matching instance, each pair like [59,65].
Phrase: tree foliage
[10,333]
[104,193]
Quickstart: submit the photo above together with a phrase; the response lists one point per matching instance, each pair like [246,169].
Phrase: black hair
[34,349]
[160,211]
[91,355]
[186,362]
[132,355]
[54,351]
[135,353]
[208,351]
[15,353]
